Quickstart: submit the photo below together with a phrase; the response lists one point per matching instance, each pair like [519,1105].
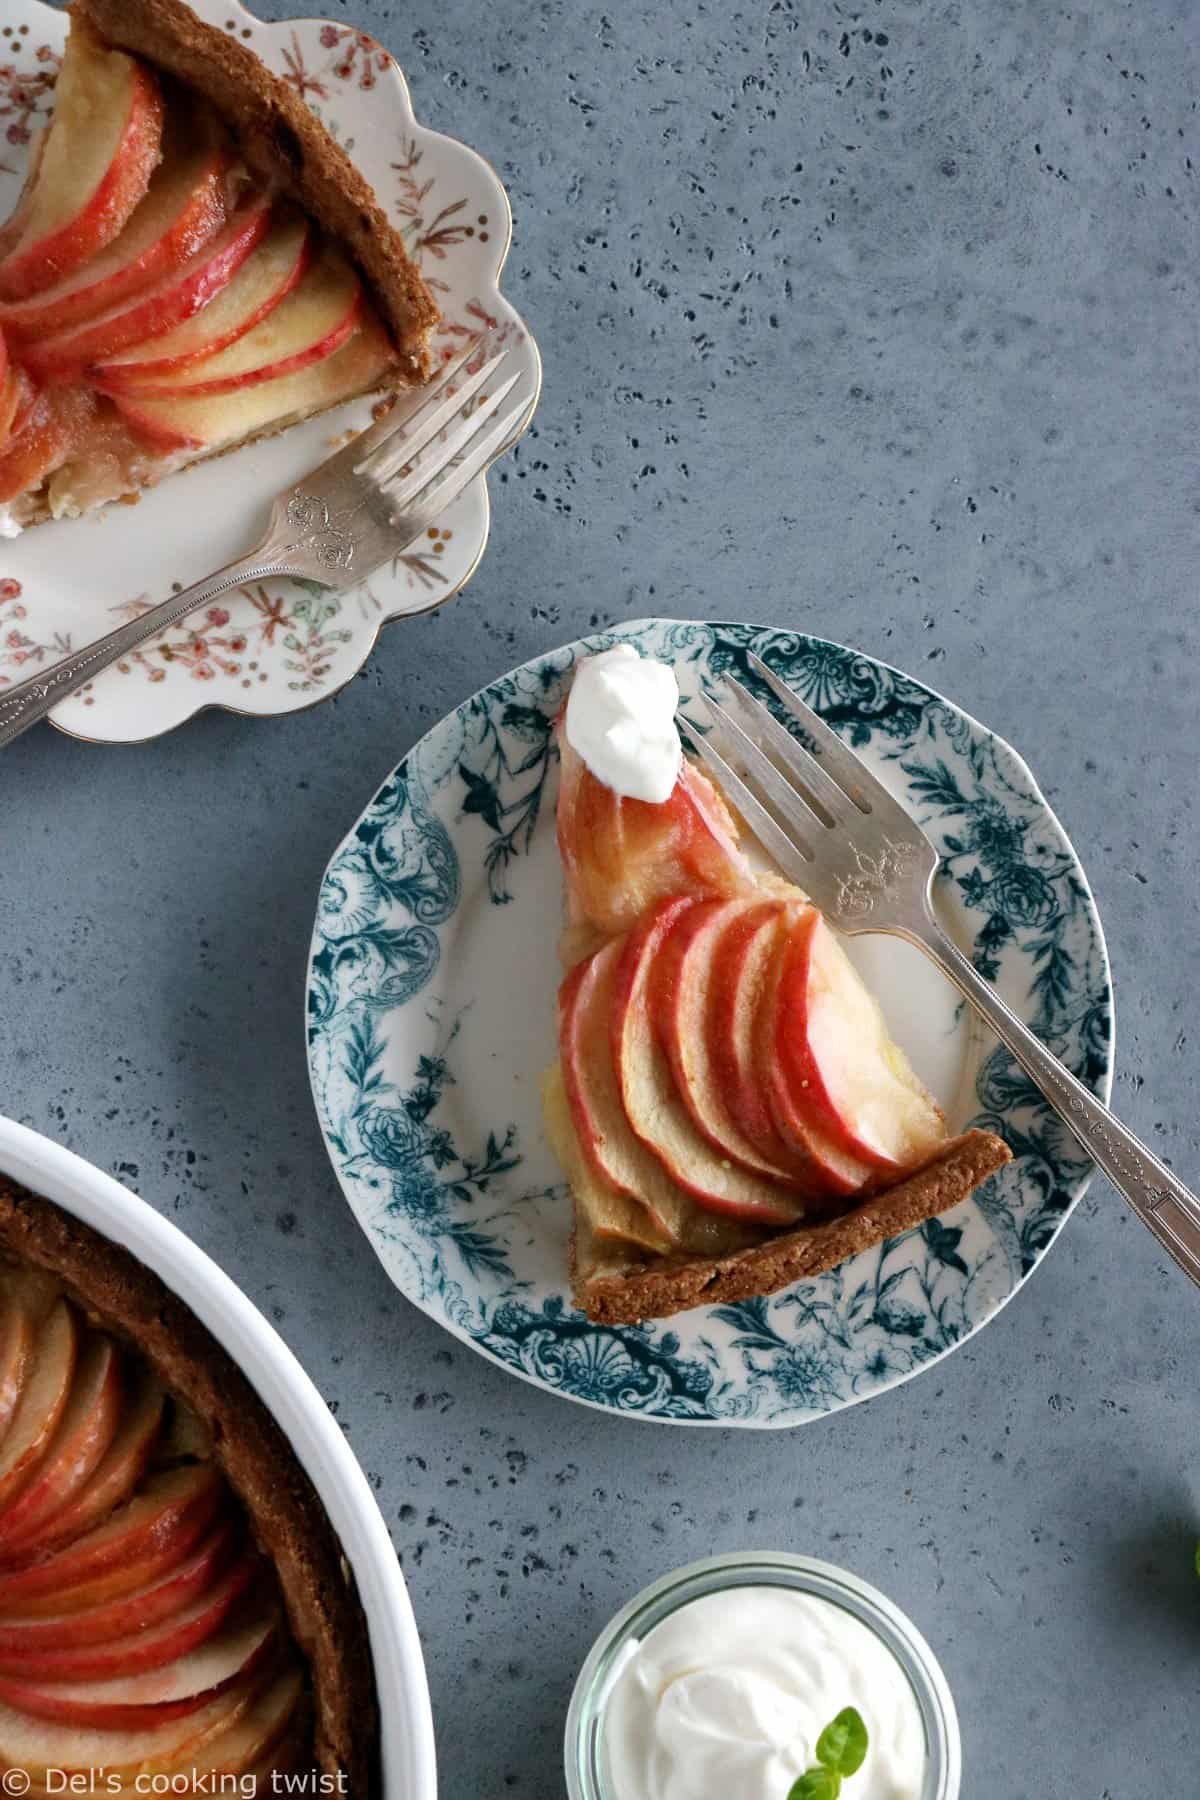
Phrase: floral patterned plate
[280,645]
[431,1015]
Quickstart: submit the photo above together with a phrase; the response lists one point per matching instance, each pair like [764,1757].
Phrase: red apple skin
[140,1647]
[65,355]
[42,1401]
[85,1431]
[592,1133]
[682,983]
[657,1114]
[313,322]
[187,421]
[631,1196]
[127,372]
[287,365]
[111,1482]
[29,269]
[40,1749]
[197,185]
[24,1641]
[16,1352]
[132,1714]
[742,1048]
[734,996]
[806,975]
[150,1535]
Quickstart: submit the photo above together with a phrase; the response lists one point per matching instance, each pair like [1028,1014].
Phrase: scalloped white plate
[279,646]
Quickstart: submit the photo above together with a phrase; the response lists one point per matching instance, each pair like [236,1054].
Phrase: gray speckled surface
[878,320]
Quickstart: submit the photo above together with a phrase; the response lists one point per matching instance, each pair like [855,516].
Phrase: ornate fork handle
[23,705]
[304,538]
[1157,1196]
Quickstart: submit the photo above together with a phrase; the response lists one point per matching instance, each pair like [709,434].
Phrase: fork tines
[798,801]
[429,454]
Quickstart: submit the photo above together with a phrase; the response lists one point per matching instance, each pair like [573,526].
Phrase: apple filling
[141,1630]
[158,303]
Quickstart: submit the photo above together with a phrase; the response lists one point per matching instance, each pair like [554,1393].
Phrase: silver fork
[338,524]
[868,865]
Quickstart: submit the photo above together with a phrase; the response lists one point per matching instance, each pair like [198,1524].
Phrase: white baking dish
[102,1203]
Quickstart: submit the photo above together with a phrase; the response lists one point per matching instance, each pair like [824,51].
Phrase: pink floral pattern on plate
[278,646]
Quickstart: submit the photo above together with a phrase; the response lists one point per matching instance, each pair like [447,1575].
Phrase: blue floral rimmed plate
[431,1016]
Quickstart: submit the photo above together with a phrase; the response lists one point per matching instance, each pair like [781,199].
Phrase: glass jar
[585,1769]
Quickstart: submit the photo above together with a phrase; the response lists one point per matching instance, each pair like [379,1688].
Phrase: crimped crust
[283,1507]
[283,141]
[618,1290]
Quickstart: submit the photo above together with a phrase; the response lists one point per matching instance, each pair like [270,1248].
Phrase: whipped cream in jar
[719,1680]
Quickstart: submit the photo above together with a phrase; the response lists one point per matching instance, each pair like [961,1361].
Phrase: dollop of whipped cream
[621,721]
[8,524]
[728,1696]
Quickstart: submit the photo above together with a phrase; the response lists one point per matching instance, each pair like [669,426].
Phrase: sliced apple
[835,1063]
[266,277]
[583,1113]
[49,1751]
[212,420]
[146,1537]
[312,323]
[111,1482]
[25,1642]
[732,1012]
[185,205]
[18,1334]
[252,1741]
[620,856]
[43,439]
[154,1696]
[179,294]
[681,985]
[735,1028]
[628,1176]
[43,1400]
[657,1114]
[84,1432]
[100,151]
[138,1647]
[16,1350]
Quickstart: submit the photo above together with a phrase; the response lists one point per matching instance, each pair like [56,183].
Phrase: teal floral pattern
[432,966]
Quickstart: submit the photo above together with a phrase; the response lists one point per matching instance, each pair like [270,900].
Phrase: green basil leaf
[843,1743]
[816,1784]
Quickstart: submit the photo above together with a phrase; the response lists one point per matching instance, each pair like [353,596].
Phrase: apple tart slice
[194,264]
[730,1106]
[175,1610]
